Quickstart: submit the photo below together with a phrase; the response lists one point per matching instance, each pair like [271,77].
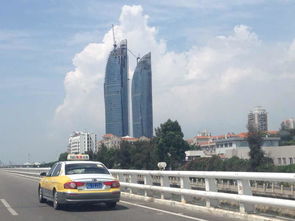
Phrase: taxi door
[53,180]
[46,181]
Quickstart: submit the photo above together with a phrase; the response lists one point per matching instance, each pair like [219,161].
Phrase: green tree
[143,155]
[124,155]
[90,154]
[107,156]
[287,136]
[63,156]
[285,169]
[194,147]
[235,164]
[255,141]
[214,163]
[266,165]
[170,145]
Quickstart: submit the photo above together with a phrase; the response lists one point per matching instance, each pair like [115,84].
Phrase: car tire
[56,203]
[111,204]
[40,195]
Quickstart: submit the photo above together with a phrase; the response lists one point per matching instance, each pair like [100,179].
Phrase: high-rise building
[257,118]
[80,142]
[288,124]
[116,91]
[142,101]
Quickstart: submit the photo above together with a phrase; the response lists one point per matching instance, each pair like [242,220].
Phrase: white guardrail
[180,183]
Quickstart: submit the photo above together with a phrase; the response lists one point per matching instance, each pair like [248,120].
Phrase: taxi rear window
[85,168]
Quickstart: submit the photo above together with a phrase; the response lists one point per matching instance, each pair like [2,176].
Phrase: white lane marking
[164,211]
[8,207]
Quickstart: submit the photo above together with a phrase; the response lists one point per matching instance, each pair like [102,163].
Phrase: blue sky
[39,40]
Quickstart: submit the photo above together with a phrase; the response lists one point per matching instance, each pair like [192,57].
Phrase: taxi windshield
[85,168]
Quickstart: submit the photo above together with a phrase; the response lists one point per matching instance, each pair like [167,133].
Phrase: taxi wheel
[56,204]
[111,204]
[40,194]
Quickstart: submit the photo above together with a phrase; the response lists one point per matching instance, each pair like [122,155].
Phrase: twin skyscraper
[116,94]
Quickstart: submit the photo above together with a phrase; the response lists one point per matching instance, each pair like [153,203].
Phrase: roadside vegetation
[169,146]
[287,136]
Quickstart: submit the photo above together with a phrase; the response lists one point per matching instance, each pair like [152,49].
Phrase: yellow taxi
[78,181]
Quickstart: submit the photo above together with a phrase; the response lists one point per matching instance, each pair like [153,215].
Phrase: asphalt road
[19,201]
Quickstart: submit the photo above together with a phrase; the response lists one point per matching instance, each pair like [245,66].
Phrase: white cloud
[83,38]
[211,86]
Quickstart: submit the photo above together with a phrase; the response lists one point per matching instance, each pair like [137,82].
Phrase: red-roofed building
[220,144]
[129,139]
[112,141]
[109,141]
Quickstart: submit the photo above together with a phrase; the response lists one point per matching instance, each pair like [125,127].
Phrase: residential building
[80,142]
[234,141]
[281,155]
[201,138]
[288,124]
[194,154]
[116,91]
[112,141]
[257,118]
[142,101]
[109,141]
[218,145]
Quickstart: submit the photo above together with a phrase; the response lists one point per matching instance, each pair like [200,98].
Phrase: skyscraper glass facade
[116,91]
[142,101]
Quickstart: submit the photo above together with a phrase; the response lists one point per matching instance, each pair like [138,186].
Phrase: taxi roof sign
[78,157]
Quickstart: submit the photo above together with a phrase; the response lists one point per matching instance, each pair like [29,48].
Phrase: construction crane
[114,40]
[137,57]
[115,45]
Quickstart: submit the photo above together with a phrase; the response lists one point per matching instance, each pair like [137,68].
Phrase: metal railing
[164,184]
[180,183]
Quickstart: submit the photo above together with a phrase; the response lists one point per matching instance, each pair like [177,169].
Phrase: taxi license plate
[94,185]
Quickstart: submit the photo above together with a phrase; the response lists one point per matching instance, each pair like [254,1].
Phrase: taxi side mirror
[42,174]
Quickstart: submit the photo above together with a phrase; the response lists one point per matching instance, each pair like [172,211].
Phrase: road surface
[19,201]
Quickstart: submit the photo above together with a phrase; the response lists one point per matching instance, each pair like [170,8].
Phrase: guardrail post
[264,187]
[185,184]
[132,179]
[210,185]
[121,177]
[244,188]
[147,181]
[272,187]
[164,180]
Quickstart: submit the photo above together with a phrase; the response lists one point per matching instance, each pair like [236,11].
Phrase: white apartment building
[258,118]
[231,144]
[288,124]
[222,145]
[281,155]
[81,142]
